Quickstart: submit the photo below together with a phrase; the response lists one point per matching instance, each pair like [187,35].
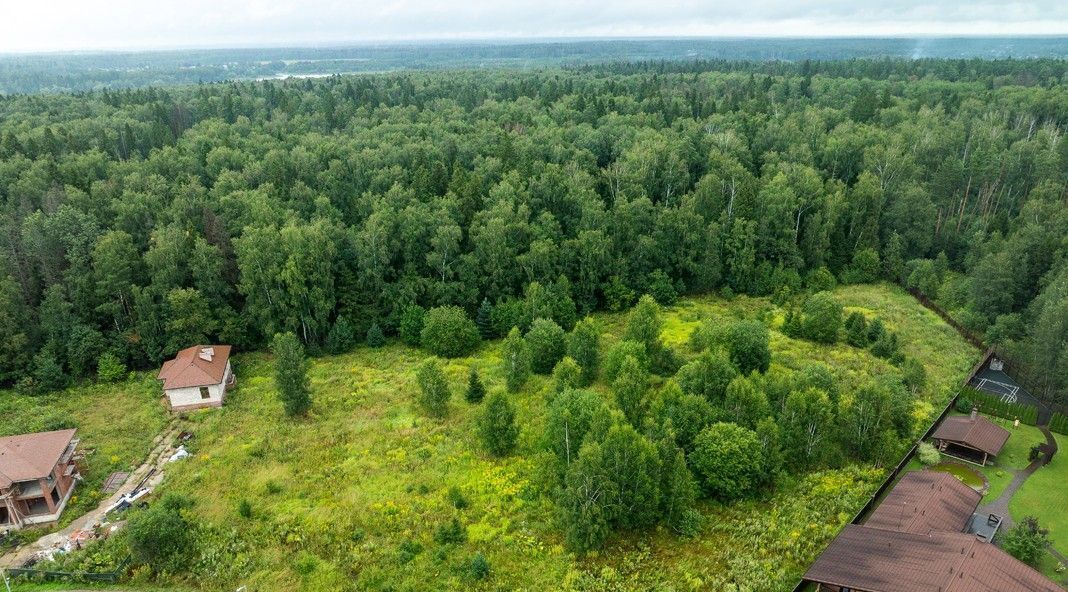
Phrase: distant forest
[72,72]
[136,222]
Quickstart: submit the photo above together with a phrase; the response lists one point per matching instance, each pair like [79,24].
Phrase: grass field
[350,497]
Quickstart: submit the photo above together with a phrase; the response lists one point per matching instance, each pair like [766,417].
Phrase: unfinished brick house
[197,377]
[37,476]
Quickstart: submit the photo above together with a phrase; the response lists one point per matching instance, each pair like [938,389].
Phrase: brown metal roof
[874,560]
[925,501]
[975,432]
[200,365]
[31,456]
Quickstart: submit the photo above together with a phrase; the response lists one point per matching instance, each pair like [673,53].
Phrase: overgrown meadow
[355,495]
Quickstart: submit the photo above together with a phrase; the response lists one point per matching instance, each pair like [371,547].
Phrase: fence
[43,575]
[965,332]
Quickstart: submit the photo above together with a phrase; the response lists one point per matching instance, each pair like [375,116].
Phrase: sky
[63,25]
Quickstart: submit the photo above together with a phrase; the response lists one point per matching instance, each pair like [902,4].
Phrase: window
[55,496]
[204,394]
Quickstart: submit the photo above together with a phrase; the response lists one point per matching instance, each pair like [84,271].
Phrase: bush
[727,460]
[820,280]
[452,532]
[566,375]
[995,406]
[475,389]
[244,508]
[547,343]
[661,288]
[748,346]
[864,269]
[433,388]
[479,568]
[457,499]
[109,368]
[822,317]
[497,426]
[375,337]
[447,332]
[161,537]
[1027,541]
[856,330]
[928,454]
[411,324]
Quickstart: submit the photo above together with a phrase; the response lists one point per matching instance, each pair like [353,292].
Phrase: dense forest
[84,71]
[136,222]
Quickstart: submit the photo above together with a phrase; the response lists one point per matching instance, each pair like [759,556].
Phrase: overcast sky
[45,25]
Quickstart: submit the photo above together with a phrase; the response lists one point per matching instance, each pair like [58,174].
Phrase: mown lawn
[116,423]
[1045,496]
[351,496]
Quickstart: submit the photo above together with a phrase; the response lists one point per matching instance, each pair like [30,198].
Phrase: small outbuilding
[971,437]
[197,377]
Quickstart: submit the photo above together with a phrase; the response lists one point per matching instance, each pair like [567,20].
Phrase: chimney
[975,413]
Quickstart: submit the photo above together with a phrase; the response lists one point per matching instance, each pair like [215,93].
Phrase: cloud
[129,24]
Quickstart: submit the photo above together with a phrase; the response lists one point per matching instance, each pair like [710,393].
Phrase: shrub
[547,343]
[433,388]
[475,389]
[375,337]
[411,324]
[748,346]
[618,296]
[457,499]
[497,426]
[820,280]
[161,537]
[727,460]
[244,508]
[447,332]
[1027,541]
[707,376]
[408,550]
[856,330]
[661,288]
[822,317]
[864,268]
[479,568]
[109,368]
[928,454]
[452,532]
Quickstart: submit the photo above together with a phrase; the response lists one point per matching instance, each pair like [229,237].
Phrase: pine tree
[475,389]
[291,373]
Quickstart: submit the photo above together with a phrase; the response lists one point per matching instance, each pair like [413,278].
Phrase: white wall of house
[192,397]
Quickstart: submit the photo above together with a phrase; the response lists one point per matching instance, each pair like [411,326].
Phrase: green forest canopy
[137,222]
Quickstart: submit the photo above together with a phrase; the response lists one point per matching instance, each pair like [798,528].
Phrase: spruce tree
[375,337]
[291,373]
[484,319]
[475,389]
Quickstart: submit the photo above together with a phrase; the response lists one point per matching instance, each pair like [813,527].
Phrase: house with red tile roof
[197,377]
[37,476]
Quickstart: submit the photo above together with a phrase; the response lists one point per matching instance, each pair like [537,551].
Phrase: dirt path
[162,448]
